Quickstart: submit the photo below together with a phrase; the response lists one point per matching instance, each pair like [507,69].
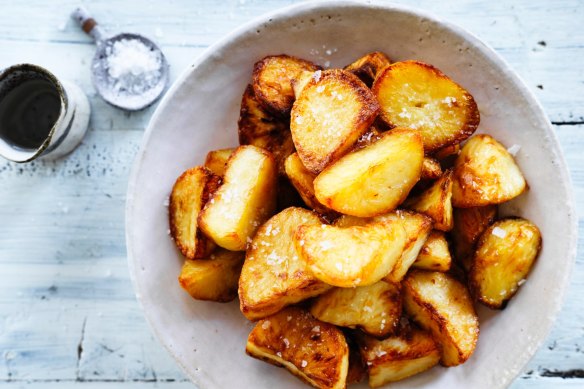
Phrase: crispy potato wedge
[505,254]
[214,278]
[443,306]
[314,351]
[374,180]
[244,201]
[259,128]
[417,227]
[376,308]
[300,81]
[417,95]
[303,181]
[431,169]
[334,109]
[216,160]
[436,202]
[434,255]
[485,173]
[189,194]
[409,352]
[273,275]
[369,66]
[469,224]
[272,78]
[351,256]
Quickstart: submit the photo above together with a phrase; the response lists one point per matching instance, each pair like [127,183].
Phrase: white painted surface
[68,316]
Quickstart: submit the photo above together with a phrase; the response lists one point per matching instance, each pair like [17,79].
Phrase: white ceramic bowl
[200,112]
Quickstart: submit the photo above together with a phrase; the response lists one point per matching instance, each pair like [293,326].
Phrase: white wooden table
[68,315]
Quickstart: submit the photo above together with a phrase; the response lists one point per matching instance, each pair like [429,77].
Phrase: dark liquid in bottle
[28,112]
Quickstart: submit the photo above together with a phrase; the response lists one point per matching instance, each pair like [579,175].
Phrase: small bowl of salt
[128,70]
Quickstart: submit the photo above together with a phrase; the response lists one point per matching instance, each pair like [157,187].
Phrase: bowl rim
[307,6]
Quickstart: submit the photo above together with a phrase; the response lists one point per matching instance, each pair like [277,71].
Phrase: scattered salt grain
[367,309]
[521,282]
[279,354]
[316,329]
[499,232]
[316,75]
[289,318]
[303,363]
[380,353]
[513,150]
[320,88]
[339,266]
[266,324]
[286,342]
[449,100]
[327,64]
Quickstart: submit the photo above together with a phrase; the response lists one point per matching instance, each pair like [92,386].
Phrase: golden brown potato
[189,194]
[374,180]
[351,256]
[214,278]
[443,306]
[485,173]
[300,81]
[419,96]
[400,356]
[417,227]
[244,201]
[272,78]
[216,160]
[434,255]
[369,66]
[273,275]
[505,254]
[436,202]
[469,224]
[376,308]
[259,128]
[334,109]
[431,169]
[314,351]
[303,181]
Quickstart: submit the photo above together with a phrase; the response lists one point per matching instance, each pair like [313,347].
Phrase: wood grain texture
[68,315]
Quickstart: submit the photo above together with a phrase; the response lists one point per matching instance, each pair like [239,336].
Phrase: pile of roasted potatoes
[357,221]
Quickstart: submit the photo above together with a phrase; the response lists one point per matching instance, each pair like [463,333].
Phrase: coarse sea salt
[513,150]
[132,67]
[499,232]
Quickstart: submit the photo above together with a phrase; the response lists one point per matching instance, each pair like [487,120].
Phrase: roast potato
[214,278]
[504,256]
[273,275]
[244,201]
[374,180]
[443,306]
[314,351]
[216,160]
[417,95]
[434,255]
[485,173]
[469,224]
[189,194]
[369,66]
[333,110]
[436,202]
